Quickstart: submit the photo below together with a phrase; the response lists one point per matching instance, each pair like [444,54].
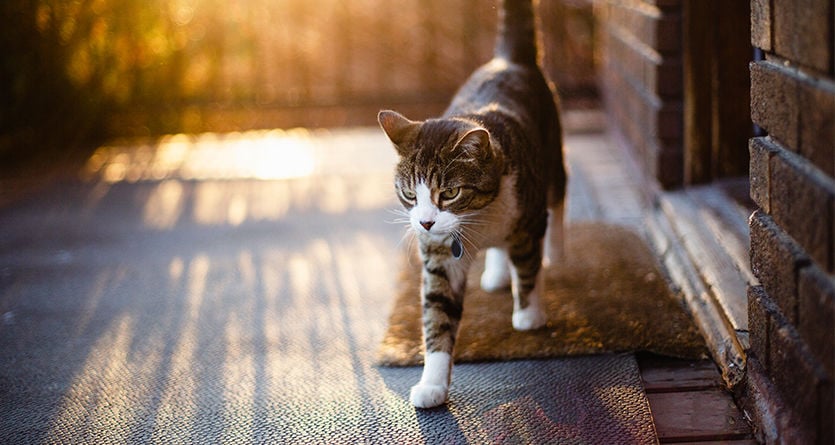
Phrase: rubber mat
[114,332]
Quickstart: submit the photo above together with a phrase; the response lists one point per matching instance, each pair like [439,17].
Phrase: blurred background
[75,73]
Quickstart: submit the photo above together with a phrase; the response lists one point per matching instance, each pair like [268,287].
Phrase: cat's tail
[517,36]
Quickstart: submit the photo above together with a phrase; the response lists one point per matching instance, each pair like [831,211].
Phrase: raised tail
[517,37]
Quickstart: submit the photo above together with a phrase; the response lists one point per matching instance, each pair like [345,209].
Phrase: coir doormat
[607,295]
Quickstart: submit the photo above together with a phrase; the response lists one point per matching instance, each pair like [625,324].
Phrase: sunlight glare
[261,155]
[164,205]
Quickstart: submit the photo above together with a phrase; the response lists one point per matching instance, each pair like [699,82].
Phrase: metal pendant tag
[457,249]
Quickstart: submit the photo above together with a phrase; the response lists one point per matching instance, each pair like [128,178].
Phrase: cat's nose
[427,224]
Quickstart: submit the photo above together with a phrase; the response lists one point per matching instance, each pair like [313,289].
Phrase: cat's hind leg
[554,245]
[496,275]
[526,277]
[527,311]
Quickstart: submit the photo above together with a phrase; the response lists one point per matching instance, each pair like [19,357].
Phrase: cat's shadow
[438,424]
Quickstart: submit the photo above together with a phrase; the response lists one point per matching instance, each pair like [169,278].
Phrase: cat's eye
[408,194]
[449,194]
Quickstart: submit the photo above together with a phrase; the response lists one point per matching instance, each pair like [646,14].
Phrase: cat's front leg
[433,388]
[441,317]
[442,295]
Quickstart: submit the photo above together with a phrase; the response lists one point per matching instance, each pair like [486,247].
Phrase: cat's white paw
[428,396]
[493,280]
[528,319]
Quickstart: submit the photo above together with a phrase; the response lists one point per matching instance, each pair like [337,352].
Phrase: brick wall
[792,168]
[641,70]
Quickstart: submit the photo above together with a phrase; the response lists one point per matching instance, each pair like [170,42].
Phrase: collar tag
[457,249]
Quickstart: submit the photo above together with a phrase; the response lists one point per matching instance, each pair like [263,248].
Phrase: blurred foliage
[79,70]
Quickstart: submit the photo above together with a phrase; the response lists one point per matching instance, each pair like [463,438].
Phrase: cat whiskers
[409,235]
[402,213]
[471,222]
[470,235]
[403,218]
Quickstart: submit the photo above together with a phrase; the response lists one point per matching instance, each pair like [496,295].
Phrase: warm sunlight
[229,179]
[262,155]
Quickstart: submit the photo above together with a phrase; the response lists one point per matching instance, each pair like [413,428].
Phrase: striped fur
[484,175]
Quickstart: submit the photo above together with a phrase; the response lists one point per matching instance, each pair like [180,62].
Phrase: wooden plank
[696,416]
[721,340]
[716,196]
[729,227]
[674,375]
[721,275]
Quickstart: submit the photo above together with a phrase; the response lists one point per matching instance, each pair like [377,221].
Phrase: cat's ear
[476,142]
[399,129]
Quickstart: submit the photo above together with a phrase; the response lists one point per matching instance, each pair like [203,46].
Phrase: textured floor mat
[580,400]
[257,333]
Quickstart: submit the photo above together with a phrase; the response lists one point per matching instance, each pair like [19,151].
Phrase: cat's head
[449,170]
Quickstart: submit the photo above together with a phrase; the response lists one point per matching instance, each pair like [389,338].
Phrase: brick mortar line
[796,71]
[801,164]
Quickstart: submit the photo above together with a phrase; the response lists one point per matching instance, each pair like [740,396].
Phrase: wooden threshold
[701,235]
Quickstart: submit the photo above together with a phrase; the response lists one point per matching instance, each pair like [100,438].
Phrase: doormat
[607,295]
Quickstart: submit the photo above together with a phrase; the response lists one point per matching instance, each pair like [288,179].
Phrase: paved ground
[234,289]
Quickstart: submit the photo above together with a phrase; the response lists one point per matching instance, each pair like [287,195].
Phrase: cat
[486,174]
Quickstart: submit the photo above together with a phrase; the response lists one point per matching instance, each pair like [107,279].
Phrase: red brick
[817,125]
[642,81]
[802,32]
[761,150]
[774,94]
[758,322]
[650,23]
[800,379]
[801,204]
[775,260]
[761,24]
[816,315]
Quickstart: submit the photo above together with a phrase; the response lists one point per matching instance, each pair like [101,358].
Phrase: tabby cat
[483,175]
